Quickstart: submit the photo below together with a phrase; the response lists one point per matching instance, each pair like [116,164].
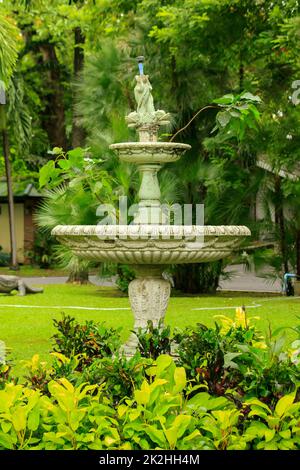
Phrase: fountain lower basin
[151,244]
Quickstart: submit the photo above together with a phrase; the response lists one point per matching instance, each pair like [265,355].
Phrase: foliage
[277,429]
[159,415]
[109,402]
[42,253]
[238,113]
[201,352]
[125,276]
[38,374]
[119,375]
[153,341]
[91,341]
[9,38]
[5,371]
[4,258]
[76,186]
[235,359]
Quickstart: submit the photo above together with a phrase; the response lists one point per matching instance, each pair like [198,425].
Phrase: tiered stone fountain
[149,244]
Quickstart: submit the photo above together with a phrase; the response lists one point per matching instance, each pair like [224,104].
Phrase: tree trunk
[11,212]
[79,277]
[280,223]
[78,133]
[53,119]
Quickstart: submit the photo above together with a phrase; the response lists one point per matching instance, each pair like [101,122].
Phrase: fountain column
[149,296]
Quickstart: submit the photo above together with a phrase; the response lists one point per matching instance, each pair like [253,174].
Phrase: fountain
[150,243]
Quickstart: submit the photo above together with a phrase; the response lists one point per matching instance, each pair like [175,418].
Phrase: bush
[89,341]
[234,359]
[4,258]
[154,341]
[120,376]
[125,276]
[228,389]
[159,415]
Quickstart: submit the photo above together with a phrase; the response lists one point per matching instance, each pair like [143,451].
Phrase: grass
[28,331]
[32,271]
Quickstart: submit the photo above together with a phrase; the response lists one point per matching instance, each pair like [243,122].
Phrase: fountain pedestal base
[149,296]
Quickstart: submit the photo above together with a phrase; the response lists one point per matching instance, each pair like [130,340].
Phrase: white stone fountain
[150,244]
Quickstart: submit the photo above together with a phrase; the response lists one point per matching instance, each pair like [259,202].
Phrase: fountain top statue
[146,119]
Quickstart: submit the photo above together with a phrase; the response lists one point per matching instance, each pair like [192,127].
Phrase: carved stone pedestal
[149,296]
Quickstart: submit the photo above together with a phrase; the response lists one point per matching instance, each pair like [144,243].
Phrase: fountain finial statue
[146,119]
[143,97]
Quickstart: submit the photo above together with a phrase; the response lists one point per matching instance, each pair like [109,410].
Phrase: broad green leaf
[250,97]
[171,435]
[6,441]
[285,434]
[256,429]
[269,434]
[257,411]
[156,435]
[284,403]
[122,410]
[223,118]
[163,362]
[64,164]
[75,418]
[6,427]
[226,99]
[33,419]
[19,418]
[142,396]
[192,436]
[180,379]
[257,402]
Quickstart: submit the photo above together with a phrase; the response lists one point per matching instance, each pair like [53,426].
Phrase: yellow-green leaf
[283,404]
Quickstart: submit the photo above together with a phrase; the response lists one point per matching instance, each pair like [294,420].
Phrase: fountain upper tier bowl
[150,152]
[151,244]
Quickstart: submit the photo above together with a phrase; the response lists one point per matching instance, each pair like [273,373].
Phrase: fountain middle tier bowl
[150,152]
[151,244]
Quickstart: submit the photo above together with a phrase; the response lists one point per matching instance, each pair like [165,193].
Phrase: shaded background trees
[76,67]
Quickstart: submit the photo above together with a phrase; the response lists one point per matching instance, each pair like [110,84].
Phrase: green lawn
[31,271]
[27,330]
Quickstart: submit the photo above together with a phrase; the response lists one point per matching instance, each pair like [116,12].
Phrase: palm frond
[9,34]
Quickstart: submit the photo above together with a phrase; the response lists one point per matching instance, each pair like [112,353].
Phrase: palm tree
[8,57]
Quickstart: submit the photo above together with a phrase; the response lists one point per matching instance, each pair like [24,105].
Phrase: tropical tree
[76,186]
[8,57]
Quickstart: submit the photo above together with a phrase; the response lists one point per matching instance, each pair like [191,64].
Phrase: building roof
[21,190]
[264,163]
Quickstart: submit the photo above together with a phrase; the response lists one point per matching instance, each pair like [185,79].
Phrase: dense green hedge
[227,387]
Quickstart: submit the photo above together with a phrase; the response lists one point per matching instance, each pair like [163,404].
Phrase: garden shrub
[89,341]
[234,358]
[159,415]
[5,374]
[154,341]
[4,258]
[125,276]
[119,375]
[228,388]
